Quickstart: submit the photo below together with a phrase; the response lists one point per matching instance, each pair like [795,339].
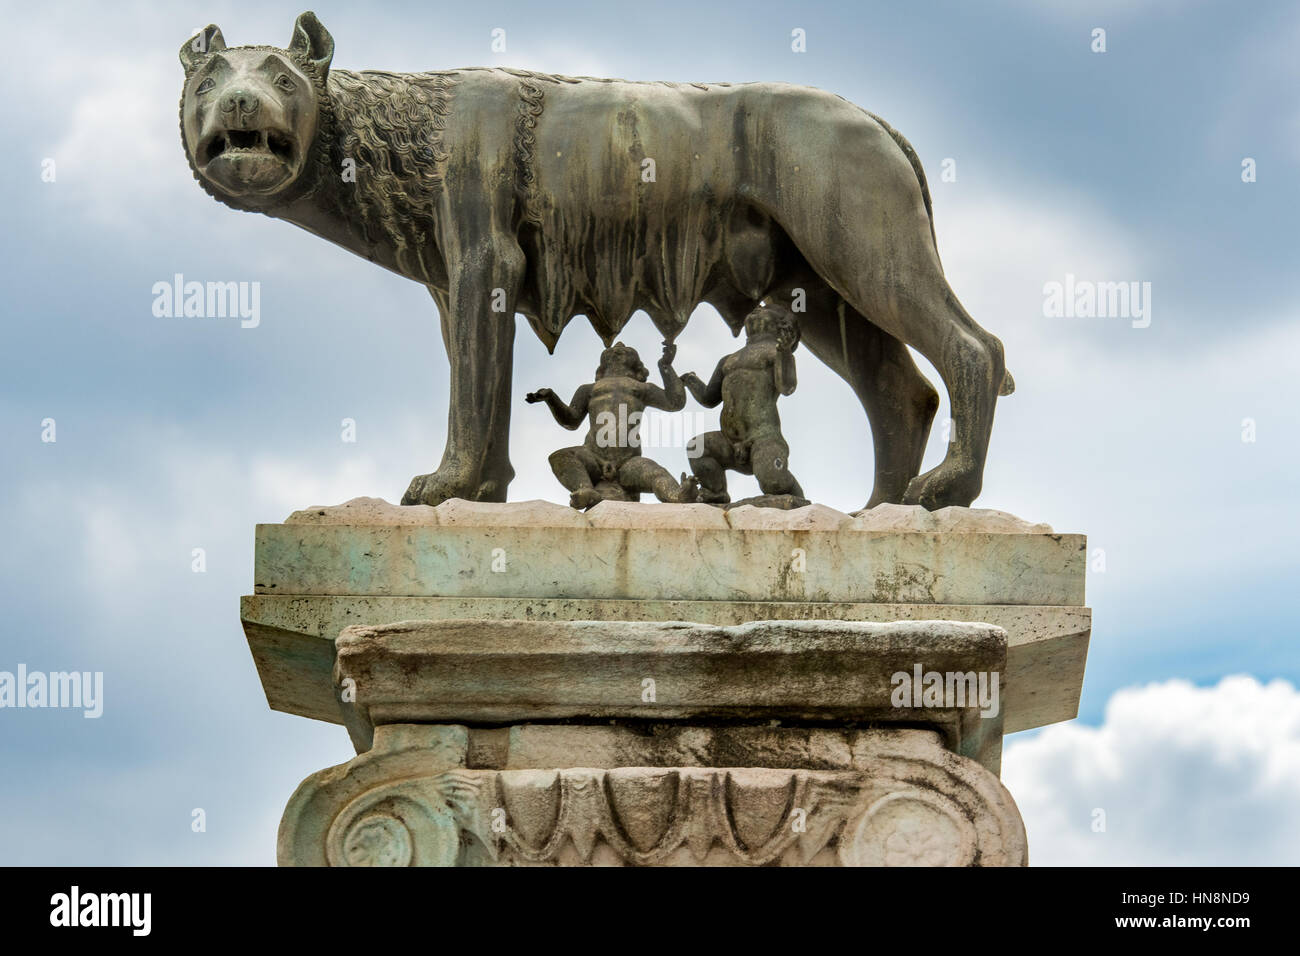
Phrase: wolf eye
[205,86]
[284,83]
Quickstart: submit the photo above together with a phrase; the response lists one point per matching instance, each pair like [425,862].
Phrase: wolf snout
[242,103]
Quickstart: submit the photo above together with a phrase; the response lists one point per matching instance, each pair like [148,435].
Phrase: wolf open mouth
[248,141]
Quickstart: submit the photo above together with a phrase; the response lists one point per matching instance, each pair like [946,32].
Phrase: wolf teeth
[244,141]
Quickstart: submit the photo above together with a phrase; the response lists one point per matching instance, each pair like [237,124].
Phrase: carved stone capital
[411,801]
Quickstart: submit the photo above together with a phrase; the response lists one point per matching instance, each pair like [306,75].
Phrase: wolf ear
[313,43]
[208,40]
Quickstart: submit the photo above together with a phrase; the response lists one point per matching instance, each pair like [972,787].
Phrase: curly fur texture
[391,125]
[531,103]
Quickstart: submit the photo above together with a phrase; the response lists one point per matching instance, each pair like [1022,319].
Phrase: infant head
[622,361]
[775,321]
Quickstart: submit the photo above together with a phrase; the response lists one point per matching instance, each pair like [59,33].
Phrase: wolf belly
[698,164]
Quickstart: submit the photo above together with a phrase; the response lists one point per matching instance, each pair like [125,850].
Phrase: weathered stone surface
[984,521]
[668,561]
[457,512]
[891,517]
[292,637]
[807,518]
[904,518]
[370,512]
[771,513]
[502,672]
[413,800]
[538,746]
[647,562]
[656,516]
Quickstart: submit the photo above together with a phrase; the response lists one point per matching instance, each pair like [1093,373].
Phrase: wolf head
[251,115]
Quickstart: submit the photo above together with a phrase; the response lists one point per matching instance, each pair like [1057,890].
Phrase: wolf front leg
[478,328]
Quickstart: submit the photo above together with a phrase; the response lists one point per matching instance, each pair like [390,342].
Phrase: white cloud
[1185,775]
[999,248]
[121,150]
[133,532]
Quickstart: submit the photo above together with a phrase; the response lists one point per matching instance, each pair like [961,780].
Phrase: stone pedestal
[664,684]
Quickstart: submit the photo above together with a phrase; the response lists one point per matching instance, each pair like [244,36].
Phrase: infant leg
[642,474]
[770,459]
[576,468]
[710,466]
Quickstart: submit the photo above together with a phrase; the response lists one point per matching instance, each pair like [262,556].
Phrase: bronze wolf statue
[505,191]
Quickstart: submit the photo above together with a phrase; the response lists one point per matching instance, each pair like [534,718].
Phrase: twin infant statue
[746,383]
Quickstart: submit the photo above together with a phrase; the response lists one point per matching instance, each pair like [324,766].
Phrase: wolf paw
[948,484]
[443,485]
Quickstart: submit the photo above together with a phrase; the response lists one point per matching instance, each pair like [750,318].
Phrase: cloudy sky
[175,434]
